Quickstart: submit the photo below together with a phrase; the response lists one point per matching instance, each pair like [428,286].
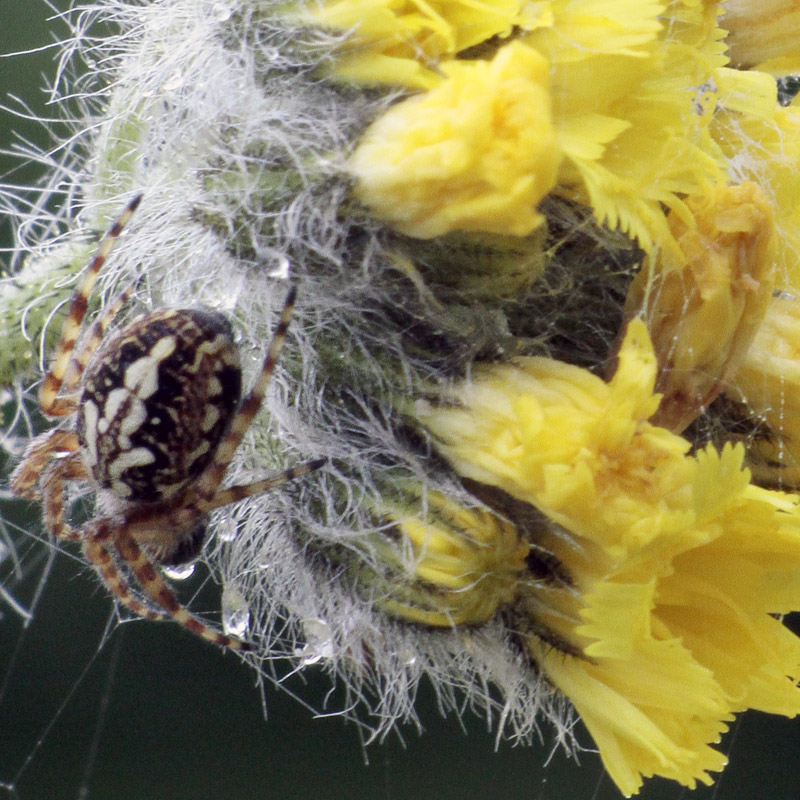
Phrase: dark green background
[154,713]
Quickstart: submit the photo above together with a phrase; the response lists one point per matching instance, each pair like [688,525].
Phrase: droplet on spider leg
[180,572]
[319,642]
[235,612]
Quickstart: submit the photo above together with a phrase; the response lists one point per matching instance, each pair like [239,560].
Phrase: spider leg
[233,494]
[49,401]
[209,481]
[98,554]
[54,477]
[154,586]
[89,343]
[37,454]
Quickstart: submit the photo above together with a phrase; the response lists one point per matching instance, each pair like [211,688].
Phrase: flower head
[764,148]
[483,139]
[768,386]
[611,110]
[450,566]
[704,306]
[465,194]
[673,628]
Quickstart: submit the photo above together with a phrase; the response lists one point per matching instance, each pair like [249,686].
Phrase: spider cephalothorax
[157,419]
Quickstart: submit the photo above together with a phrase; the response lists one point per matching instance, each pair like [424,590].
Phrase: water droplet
[235,612]
[270,54]
[282,270]
[221,12]
[226,295]
[408,656]
[175,81]
[180,572]
[225,530]
[319,642]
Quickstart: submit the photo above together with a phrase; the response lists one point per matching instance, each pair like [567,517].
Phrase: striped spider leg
[155,419]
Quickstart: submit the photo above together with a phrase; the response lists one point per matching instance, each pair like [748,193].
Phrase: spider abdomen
[158,396]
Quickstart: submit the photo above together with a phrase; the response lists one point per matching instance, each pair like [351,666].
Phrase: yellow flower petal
[704,306]
[635,139]
[676,564]
[414,36]
[451,565]
[477,153]
[768,384]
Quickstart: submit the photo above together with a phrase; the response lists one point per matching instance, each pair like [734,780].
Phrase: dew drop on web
[319,641]
[235,612]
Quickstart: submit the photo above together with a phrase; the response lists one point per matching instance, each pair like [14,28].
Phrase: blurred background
[90,708]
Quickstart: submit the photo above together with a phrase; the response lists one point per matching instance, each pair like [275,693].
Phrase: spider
[154,420]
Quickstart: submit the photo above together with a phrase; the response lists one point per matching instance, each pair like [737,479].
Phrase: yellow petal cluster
[558,436]
[768,385]
[476,153]
[679,561]
[765,148]
[402,42]
[703,307]
[635,137]
[451,565]
[630,137]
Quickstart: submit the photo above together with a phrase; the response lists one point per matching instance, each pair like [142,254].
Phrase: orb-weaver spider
[154,420]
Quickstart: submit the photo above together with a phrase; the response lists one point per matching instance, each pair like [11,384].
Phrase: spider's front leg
[53,482]
[95,535]
[51,444]
[122,532]
[233,494]
[67,366]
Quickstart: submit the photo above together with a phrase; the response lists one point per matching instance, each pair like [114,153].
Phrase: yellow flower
[400,42]
[765,148]
[768,384]
[702,309]
[763,34]
[556,435]
[476,153]
[634,135]
[451,565]
[608,92]
[677,563]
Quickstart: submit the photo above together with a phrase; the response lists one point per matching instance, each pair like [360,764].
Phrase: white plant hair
[214,111]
